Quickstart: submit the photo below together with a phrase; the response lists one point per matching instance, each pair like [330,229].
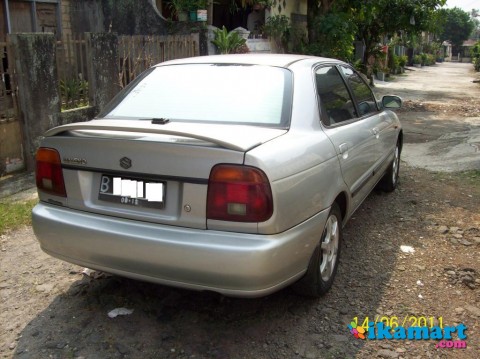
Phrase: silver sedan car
[232,174]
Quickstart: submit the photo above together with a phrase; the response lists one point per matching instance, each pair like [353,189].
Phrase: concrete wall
[35,61]
[66,19]
[103,68]
[39,98]
[291,6]
[125,17]
[78,115]
[85,16]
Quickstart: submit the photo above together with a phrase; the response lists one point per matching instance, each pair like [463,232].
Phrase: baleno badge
[75,160]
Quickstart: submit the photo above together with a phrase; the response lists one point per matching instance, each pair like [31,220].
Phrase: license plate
[132,192]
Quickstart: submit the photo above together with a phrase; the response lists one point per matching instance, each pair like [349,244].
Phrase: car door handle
[343,148]
[375,131]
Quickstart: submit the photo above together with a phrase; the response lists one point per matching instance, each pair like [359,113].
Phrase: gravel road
[441,116]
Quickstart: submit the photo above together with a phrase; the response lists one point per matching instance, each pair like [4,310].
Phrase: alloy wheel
[329,248]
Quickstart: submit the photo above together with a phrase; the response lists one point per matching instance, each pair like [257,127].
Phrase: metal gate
[11,149]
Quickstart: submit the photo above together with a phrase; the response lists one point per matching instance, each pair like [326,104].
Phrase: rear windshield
[246,94]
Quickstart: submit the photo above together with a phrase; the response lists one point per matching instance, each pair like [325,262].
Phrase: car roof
[278,60]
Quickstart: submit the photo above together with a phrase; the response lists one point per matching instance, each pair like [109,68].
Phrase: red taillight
[48,172]
[239,193]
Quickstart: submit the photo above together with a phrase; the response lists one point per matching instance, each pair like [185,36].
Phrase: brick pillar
[37,80]
[103,68]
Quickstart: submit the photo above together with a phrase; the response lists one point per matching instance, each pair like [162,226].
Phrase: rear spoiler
[232,137]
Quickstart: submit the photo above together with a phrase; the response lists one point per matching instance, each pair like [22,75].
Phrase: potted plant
[394,64]
[417,61]
[424,58]
[402,62]
[181,8]
[202,9]
[381,73]
[228,42]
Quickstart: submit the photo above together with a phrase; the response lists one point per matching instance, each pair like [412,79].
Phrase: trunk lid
[177,157]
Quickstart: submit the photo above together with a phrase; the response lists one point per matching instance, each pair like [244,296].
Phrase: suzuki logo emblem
[126,162]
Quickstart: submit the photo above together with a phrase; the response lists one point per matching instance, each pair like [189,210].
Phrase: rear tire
[389,181]
[323,265]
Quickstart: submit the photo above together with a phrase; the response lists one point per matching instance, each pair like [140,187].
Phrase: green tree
[475,15]
[375,18]
[316,8]
[476,56]
[455,25]
[331,31]
[334,24]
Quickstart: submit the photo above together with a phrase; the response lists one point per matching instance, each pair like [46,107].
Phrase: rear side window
[366,101]
[335,100]
[224,93]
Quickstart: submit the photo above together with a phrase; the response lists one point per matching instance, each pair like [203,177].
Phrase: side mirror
[391,101]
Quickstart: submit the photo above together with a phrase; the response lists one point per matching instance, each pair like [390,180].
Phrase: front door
[352,135]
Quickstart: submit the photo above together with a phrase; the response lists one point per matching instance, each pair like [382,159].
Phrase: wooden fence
[138,53]
[135,55]
[72,71]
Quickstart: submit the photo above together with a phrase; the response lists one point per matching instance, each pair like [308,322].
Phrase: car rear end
[157,188]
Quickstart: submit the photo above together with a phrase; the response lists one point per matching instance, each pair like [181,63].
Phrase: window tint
[239,94]
[335,99]
[364,96]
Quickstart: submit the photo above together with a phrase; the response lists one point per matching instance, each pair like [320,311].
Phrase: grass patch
[470,178]
[15,214]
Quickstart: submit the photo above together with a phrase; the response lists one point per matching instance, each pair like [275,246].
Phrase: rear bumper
[235,264]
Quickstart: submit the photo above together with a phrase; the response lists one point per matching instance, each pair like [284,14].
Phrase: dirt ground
[409,254]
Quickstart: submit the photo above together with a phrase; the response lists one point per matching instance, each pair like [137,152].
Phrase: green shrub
[402,60]
[74,93]
[228,42]
[393,60]
[278,28]
[334,36]
[429,60]
[424,58]
[417,59]
[476,56]
[178,6]
[476,63]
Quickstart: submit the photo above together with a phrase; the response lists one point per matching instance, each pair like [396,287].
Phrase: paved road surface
[442,116]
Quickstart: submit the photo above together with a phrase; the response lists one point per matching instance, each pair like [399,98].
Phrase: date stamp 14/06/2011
[410,328]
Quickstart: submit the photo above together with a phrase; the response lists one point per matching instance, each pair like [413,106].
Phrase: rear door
[351,134]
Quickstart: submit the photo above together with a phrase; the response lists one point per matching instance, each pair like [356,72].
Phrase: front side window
[366,101]
[335,100]
[221,93]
